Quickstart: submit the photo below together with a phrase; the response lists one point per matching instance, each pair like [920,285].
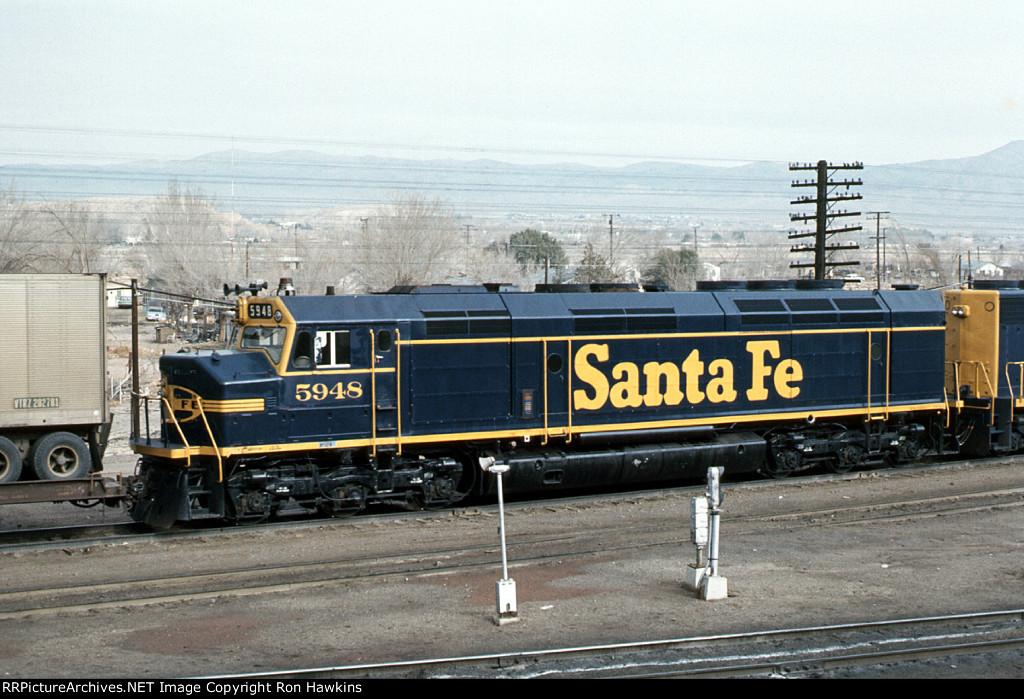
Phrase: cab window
[267,338]
[332,348]
[302,358]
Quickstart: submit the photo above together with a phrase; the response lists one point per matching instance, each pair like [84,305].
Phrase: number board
[261,311]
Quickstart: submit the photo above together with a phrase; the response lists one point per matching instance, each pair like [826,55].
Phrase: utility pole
[611,240]
[136,381]
[826,195]
[879,247]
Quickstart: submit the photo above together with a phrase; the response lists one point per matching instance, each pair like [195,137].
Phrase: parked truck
[54,415]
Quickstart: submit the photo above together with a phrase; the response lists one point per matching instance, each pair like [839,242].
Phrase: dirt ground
[781,574]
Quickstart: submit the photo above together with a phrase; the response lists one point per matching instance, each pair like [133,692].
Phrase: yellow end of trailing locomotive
[972,342]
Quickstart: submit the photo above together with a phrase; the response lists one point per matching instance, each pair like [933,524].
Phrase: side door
[386,386]
[878,373]
[555,365]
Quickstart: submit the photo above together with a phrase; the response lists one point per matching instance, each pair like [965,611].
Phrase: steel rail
[239,581]
[530,664]
[63,537]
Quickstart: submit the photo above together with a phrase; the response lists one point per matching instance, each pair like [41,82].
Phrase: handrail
[544,371]
[977,365]
[398,388]
[213,442]
[568,396]
[1009,385]
[188,449]
[373,394]
[945,399]
[983,373]
[888,372]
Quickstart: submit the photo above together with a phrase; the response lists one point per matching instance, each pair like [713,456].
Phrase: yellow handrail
[1009,385]
[568,397]
[398,387]
[980,372]
[544,371]
[174,420]
[373,394]
[213,442]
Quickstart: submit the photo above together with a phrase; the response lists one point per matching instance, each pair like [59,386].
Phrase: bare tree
[185,241]
[899,256]
[322,254]
[19,251]
[493,265]
[410,240]
[76,241]
[929,258]
[621,243]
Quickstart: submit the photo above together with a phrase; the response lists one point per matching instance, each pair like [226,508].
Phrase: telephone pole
[826,195]
[611,240]
[879,247]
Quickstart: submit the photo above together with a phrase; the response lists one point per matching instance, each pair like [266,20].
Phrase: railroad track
[91,535]
[263,577]
[797,652]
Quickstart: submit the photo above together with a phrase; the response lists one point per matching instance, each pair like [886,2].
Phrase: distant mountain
[981,194]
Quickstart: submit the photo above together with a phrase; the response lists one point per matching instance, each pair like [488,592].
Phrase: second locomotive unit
[335,402]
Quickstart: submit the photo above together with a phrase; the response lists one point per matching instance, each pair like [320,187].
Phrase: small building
[986,270]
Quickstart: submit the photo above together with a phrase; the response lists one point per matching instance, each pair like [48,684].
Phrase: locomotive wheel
[849,456]
[909,453]
[783,461]
[60,456]
[256,507]
[10,461]
[836,465]
[1016,440]
[345,502]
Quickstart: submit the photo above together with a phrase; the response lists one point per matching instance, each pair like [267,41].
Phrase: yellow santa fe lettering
[759,370]
[591,376]
[788,372]
[626,393]
[654,371]
[693,367]
[720,388]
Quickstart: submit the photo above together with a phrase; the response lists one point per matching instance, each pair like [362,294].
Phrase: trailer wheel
[60,456]
[10,461]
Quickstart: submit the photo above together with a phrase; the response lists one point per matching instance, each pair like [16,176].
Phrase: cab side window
[332,349]
[302,358]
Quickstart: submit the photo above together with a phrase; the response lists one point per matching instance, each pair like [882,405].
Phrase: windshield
[270,339]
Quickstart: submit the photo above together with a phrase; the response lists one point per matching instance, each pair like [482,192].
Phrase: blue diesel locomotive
[335,402]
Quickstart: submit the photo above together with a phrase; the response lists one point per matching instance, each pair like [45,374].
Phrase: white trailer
[54,416]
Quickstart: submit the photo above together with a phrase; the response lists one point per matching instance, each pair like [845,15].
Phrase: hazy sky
[880,82]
